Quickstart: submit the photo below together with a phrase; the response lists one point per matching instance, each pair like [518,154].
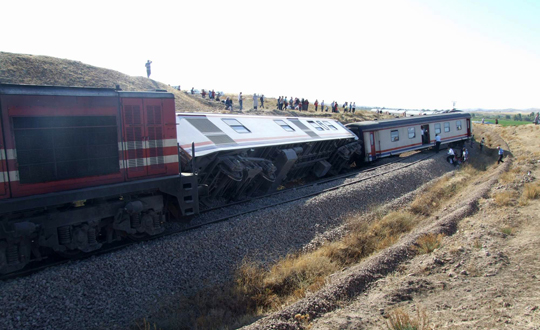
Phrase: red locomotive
[80,167]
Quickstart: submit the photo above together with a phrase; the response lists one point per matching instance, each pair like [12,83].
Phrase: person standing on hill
[148,69]
[240,100]
[255,101]
[316,104]
[262,101]
[353,107]
[482,144]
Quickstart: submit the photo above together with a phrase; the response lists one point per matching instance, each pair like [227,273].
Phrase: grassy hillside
[45,70]
[52,71]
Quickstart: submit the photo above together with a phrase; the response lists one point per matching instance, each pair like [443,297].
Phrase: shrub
[531,191]
[504,198]
[398,319]
[428,243]
[507,230]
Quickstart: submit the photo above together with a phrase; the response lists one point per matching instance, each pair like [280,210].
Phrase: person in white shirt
[450,157]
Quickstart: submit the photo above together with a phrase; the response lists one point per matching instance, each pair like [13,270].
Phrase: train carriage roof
[366,125]
[37,90]
[221,132]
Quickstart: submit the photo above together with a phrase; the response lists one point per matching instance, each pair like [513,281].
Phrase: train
[84,167]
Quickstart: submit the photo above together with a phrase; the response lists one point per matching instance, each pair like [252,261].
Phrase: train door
[468,127]
[372,144]
[425,134]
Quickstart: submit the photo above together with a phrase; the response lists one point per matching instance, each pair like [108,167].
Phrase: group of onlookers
[283,103]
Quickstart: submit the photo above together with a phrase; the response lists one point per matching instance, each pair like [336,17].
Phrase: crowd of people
[283,103]
[301,104]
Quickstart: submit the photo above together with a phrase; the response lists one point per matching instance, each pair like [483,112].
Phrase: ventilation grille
[60,148]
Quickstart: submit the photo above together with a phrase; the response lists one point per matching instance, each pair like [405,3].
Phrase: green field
[507,122]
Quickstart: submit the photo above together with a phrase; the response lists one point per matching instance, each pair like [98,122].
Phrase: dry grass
[146,326]
[504,198]
[432,199]
[293,277]
[531,191]
[428,243]
[507,230]
[398,319]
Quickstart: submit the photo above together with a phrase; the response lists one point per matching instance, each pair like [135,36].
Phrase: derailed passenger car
[238,156]
[394,136]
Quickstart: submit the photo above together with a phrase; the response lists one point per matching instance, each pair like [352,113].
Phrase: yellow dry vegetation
[399,319]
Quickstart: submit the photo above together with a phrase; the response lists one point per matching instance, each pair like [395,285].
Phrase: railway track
[53,260]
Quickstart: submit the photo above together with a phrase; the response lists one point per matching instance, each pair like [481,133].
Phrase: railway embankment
[112,290]
[482,274]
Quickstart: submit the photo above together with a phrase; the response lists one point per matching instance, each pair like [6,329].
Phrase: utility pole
[453,105]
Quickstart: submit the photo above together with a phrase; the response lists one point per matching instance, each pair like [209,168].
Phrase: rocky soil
[485,275]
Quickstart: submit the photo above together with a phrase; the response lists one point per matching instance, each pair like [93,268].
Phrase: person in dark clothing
[148,69]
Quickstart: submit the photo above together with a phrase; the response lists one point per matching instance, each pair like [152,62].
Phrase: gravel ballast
[113,290]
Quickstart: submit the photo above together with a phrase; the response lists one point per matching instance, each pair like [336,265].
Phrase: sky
[410,54]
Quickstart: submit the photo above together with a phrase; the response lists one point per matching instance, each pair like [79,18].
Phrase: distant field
[506,122]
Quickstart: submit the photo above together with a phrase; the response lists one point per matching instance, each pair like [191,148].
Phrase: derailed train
[83,167]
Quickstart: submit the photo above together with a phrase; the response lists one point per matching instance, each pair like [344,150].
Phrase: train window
[437,128]
[314,124]
[394,136]
[322,125]
[447,127]
[235,124]
[284,125]
[458,125]
[412,132]
[330,125]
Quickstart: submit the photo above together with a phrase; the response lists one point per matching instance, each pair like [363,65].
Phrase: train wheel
[138,237]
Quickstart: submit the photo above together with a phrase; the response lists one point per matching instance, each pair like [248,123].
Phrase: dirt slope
[52,71]
[485,275]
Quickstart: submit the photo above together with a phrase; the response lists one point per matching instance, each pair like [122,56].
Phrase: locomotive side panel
[4,175]
[149,136]
[61,142]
